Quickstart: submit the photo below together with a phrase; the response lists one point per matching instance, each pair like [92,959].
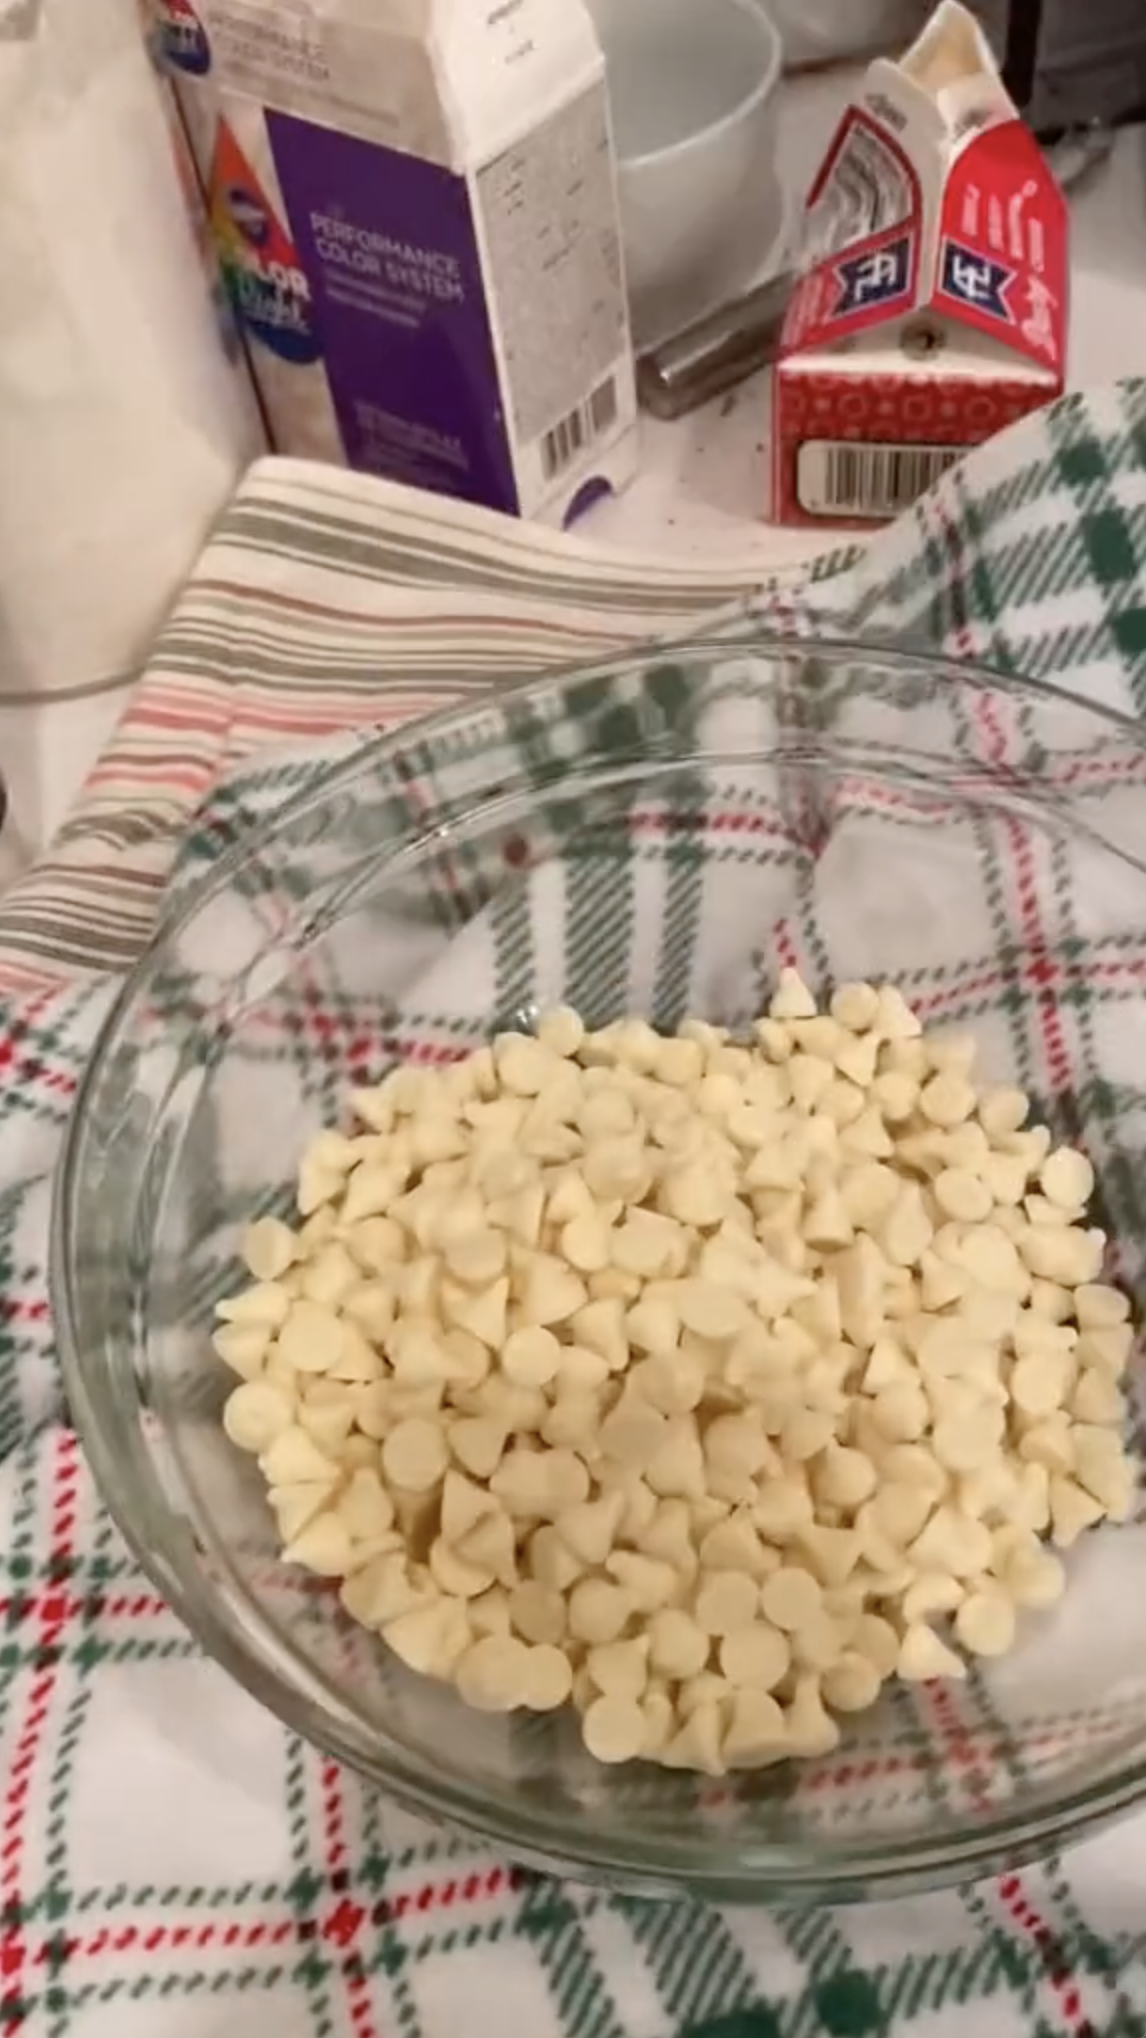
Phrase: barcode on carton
[838,478]
[561,445]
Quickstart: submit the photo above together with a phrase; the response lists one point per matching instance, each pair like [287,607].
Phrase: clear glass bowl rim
[114,1443]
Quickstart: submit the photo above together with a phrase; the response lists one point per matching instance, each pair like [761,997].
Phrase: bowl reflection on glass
[657,835]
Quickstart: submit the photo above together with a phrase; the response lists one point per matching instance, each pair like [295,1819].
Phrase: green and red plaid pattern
[165,1849]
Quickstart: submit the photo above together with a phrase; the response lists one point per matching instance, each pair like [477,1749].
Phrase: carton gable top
[935,213]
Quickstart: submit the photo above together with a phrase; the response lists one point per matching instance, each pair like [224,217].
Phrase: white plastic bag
[123,421]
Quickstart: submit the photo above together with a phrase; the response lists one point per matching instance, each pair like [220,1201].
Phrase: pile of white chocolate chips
[706,1384]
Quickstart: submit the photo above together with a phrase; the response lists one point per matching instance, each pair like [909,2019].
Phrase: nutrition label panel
[548,215]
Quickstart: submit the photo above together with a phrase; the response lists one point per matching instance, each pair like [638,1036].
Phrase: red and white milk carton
[931,308]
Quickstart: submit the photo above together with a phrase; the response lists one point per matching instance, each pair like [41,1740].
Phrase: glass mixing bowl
[658,834]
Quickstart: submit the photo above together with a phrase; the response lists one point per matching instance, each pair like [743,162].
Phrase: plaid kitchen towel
[165,1849]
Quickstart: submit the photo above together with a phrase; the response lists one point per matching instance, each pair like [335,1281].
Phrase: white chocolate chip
[851,1683]
[856,1007]
[598,1610]
[1067,1178]
[895,1020]
[757,1733]
[414,1455]
[293,1459]
[1107,1348]
[790,1597]
[726,1600]
[430,1639]
[269,1248]
[255,1413]
[792,999]
[547,1682]
[493,1674]
[947,1099]
[602,1359]
[1100,1308]
[649,1582]
[365,1507]
[699,1744]
[876,1640]
[962,1195]
[323,1546]
[758,1655]
[1035,1579]
[923,1655]
[619,1669]
[1001,1111]
[614,1729]
[809,1729]
[678,1647]
[985,1623]
[1073,1510]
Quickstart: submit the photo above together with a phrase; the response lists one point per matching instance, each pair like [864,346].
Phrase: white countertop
[701,480]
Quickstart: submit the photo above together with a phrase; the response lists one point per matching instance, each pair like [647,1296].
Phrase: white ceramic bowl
[692,88]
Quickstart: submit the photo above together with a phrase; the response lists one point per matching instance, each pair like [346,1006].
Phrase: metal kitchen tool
[715,352]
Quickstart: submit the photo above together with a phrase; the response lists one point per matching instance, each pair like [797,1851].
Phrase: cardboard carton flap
[1001,253]
[951,62]
[935,203]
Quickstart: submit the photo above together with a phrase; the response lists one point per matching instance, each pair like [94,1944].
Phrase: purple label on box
[387,242]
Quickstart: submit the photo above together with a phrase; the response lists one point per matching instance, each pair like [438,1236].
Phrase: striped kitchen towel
[325,601]
[173,1863]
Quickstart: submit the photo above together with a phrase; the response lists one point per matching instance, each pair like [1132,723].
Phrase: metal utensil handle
[715,352]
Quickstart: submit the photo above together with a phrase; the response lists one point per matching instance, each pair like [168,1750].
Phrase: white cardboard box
[415,202]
